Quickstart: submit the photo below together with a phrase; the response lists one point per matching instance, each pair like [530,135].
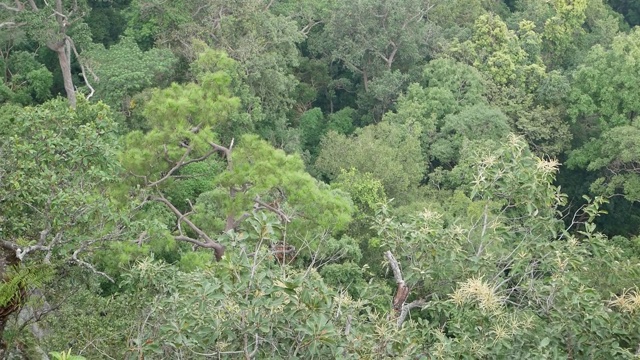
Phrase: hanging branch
[82,69]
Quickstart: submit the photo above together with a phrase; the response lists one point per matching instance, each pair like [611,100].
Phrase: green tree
[604,108]
[447,88]
[512,62]
[390,152]
[263,44]
[55,168]
[499,276]
[568,29]
[603,91]
[370,36]
[124,70]
[255,177]
[107,21]
[630,10]
[613,157]
[497,52]
[479,122]
[26,81]
[58,26]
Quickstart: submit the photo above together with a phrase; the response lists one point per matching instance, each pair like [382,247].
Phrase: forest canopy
[298,179]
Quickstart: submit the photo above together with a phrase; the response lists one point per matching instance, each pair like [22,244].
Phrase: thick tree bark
[63,50]
[65,65]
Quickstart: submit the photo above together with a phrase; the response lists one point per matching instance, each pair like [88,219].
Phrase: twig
[89,266]
[347,327]
[273,209]
[16,9]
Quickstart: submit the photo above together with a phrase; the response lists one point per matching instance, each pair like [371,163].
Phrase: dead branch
[402,292]
[16,9]
[225,151]
[21,252]
[406,308]
[347,327]
[82,69]
[250,355]
[183,162]
[190,240]
[397,273]
[11,24]
[175,168]
[80,262]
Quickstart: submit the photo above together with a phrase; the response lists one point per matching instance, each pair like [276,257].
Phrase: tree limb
[208,243]
[406,308]
[177,166]
[83,71]
[80,262]
[225,151]
[21,252]
[11,24]
[190,240]
[273,209]
[402,292]
[397,273]
[16,9]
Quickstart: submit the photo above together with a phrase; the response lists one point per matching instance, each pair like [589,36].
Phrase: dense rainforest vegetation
[319,179]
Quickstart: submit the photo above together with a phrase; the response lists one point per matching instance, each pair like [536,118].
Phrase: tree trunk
[65,65]
[365,79]
[62,47]
[15,301]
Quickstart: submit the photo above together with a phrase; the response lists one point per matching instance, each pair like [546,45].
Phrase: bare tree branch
[402,292]
[407,307]
[33,5]
[83,71]
[397,273]
[177,166]
[16,9]
[190,240]
[11,24]
[80,262]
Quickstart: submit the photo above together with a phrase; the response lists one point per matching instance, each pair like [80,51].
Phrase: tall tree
[390,152]
[51,25]
[263,43]
[369,36]
[254,177]
[56,165]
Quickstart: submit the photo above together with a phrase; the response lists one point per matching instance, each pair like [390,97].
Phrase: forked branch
[401,309]
[207,243]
